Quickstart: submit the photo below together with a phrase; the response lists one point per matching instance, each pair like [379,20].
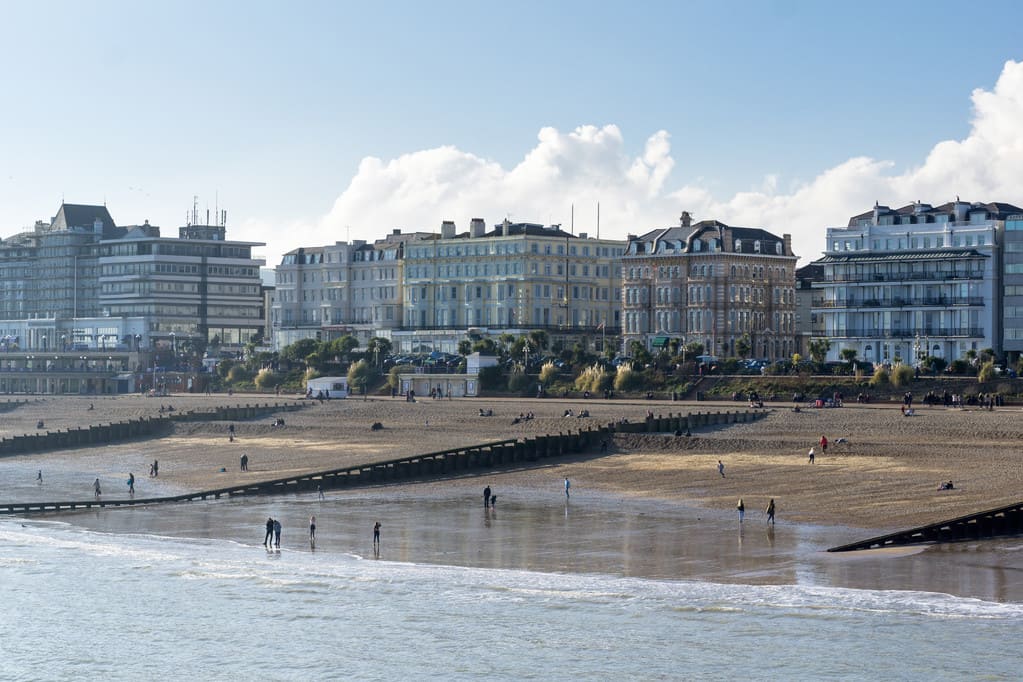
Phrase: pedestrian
[824,445]
[156,468]
[493,501]
[245,462]
[770,512]
[567,486]
[741,508]
[131,484]
[376,534]
[312,529]
[95,487]
[486,497]
[150,471]
[812,455]
[277,534]
[269,531]
[721,468]
[39,477]
[319,491]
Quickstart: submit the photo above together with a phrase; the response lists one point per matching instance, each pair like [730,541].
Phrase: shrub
[548,372]
[490,377]
[267,378]
[310,373]
[987,371]
[361,374]
[628,379]
[593,379]
[238,374]
[393,380]
[880,377]
[518,382]
[901,376]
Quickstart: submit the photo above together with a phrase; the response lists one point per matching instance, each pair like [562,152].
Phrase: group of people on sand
[522,418]
[273,533]
[489,499]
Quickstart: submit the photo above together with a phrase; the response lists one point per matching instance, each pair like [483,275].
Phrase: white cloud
[416,191]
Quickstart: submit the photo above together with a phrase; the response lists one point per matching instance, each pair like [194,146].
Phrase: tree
[296,353]
[464,347]
[640,355]
[743,346]
[849,355]
[819,350]
[538,340]
[343,346]
[485,346]
[379,347]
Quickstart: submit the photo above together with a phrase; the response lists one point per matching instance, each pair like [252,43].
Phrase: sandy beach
[884,476]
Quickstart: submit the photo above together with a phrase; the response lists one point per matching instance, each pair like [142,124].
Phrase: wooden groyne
[440,464]
[1000,522]
[132,429]
[11,405]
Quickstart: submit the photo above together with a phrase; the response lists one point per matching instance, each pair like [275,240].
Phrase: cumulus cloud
[591,164]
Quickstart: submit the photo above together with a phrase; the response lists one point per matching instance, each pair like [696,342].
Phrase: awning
[659,342]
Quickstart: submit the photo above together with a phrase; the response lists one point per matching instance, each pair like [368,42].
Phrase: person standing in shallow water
[770,512]
[277,534]
[741,508]
[131,484]
[486,497]
[312,530]
[376,534]
[269,531]
[95,487]
[567,486]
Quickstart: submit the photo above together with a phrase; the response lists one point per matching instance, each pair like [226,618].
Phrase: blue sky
[273,107]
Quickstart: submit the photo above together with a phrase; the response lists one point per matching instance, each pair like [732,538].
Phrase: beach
[881,471]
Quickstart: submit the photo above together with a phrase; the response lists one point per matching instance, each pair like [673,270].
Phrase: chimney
[787,238]
[686,219]
[477,227]
[959,208]
[447,229]
[582,235]
[396,231]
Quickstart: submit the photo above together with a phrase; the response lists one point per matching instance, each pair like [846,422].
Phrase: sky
[315,122]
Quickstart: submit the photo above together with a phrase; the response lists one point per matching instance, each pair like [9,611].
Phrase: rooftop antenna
[598,220]
[573,219]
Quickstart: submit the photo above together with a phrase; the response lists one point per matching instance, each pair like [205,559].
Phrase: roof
[681,239]
[996,210]
[83,216]
[868,256]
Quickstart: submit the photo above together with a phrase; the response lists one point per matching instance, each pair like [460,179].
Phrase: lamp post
[63,342]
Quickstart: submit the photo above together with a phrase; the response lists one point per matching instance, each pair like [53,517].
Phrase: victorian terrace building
[712,284]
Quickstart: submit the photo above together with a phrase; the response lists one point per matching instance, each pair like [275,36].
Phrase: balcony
[900,302]
[878,333]
[903,277]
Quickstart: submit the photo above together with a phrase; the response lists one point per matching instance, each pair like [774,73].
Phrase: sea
[537,589]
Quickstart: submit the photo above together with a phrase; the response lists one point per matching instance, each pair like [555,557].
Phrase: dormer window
[756,246]
[777,248]
[738,245]
[697,245]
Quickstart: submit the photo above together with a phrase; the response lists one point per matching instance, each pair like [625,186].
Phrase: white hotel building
[903,284]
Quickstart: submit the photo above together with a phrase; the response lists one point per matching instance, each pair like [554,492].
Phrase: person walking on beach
[770,512]
[39,477]
[156,468]
[567,486]
[812,454]
[244,462]
[376,534]
[721,468]
[486,497]
[824,445]
[131,484]
[312,530]
[269,531]
[319,491]
[741,508]
[95,486]
[277,534]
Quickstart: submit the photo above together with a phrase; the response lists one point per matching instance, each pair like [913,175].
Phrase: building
[730,289]
[903,284]
[1012,284]
[805,320]
[514,278]
[325,292]
[80,267]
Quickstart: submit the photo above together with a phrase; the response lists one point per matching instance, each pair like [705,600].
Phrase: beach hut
[335,387]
